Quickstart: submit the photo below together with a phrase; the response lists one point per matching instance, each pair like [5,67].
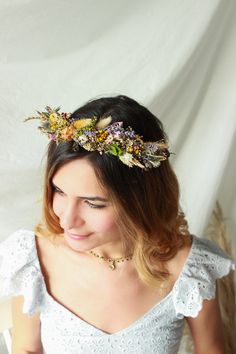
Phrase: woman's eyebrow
[87,198]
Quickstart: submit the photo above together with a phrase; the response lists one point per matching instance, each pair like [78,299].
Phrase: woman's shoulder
[24,245]
[204,263]
[200,252]
[19,269]
[19,233]
[17,250]
[206,253]
[176,264]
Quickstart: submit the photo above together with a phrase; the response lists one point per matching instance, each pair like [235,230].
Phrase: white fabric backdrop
[177,57]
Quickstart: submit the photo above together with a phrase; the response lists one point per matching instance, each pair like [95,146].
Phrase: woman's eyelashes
[57,190]
[91,205]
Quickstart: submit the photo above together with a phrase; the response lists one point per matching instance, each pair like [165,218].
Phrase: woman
[111,267]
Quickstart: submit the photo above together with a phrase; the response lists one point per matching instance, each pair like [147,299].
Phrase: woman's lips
[76,237]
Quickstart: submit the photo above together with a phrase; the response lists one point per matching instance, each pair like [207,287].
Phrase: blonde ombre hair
[148,213]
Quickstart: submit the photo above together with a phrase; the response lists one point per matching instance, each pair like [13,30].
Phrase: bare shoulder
[52,263]
[46,251]
[176,264]
[44,245]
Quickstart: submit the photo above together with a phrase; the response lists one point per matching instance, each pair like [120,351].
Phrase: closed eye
[57,190]
[91,205]
[95,206]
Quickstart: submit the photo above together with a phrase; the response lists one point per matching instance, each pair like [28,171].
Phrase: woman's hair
[146,202]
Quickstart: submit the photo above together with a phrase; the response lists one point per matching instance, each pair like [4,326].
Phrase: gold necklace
[111,261]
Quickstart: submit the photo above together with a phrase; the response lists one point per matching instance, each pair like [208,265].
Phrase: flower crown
[98,134]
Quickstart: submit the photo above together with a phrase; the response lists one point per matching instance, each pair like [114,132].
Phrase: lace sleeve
[19,271]
[206,263]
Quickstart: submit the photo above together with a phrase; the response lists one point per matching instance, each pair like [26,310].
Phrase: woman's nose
[71,217]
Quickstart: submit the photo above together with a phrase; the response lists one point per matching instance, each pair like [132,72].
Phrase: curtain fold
[176,57]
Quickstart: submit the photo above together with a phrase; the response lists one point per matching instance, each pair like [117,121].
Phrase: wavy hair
[148,213]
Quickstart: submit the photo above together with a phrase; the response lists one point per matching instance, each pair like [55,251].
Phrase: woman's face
[84,210]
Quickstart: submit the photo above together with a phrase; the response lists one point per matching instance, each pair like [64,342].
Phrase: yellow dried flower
[67,133]
[82,123]
[94,134]
[102,135]
[53,118]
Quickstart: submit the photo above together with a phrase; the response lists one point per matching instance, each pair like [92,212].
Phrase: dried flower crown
[98,134]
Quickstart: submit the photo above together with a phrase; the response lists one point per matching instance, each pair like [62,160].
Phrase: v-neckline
[133,324]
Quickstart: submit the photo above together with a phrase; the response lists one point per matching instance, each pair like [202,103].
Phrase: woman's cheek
[103,222]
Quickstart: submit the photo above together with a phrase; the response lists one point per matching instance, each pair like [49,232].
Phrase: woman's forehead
[78,177]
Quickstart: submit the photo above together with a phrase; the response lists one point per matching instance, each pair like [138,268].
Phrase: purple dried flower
[89,133]
[52,136]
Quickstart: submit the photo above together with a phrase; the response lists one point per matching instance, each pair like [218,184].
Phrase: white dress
[158,331]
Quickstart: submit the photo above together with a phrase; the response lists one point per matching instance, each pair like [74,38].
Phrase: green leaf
[115,150]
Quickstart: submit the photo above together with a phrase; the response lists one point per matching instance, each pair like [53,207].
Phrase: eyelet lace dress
[158,331]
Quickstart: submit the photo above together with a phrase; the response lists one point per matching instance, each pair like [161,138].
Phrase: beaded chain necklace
[112,262]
